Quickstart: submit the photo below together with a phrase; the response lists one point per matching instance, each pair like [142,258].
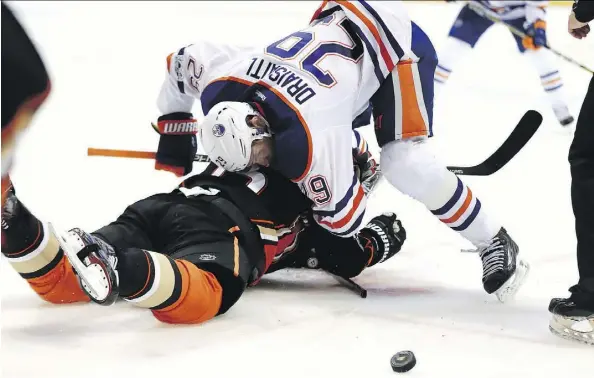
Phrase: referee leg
[581,159]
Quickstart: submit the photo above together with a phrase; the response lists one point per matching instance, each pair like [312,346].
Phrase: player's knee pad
[412,168]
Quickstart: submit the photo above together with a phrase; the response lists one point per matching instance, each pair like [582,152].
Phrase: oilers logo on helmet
[218,130]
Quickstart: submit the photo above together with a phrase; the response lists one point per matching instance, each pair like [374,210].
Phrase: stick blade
[522,133]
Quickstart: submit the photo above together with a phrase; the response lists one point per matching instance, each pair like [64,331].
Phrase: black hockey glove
[368,171]
[177,144]
[383,237]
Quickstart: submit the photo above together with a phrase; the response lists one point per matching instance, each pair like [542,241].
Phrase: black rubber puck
[403,361]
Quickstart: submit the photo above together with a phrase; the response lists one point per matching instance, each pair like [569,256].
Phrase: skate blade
[509,289]
[558,328]
[92,280]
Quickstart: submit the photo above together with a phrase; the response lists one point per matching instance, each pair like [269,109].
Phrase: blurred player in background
[574,317]
[188,255]
[291,105]
[25,86]
[528,16]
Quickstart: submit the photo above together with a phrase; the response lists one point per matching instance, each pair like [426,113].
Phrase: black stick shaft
[351,285]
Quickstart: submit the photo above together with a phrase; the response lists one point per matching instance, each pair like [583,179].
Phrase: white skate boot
[94,261]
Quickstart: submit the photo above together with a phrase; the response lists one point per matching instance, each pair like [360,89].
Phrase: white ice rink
[107,61]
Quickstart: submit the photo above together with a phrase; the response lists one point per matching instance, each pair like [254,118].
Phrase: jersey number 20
[308,63]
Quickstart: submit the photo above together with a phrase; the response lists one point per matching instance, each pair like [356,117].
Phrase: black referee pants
[581,159]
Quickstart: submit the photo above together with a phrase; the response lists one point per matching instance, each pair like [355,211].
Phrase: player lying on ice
[289,106]
[188,255]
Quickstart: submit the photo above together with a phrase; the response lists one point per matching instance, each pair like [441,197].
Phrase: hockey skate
[571,321]
[563,115]
[94,262]
[503,270]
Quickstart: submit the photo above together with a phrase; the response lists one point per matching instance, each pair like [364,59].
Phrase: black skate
[563,115]
[503,270]
[566,121]
[94,262]
[571,321]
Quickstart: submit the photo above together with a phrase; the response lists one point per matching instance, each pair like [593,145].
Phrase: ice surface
[107,61]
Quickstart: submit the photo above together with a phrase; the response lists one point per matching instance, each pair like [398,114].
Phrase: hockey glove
[536,35]
[368,170]
[383,237]
[177,144]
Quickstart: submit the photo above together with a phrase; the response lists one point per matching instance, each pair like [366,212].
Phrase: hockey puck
[403,361]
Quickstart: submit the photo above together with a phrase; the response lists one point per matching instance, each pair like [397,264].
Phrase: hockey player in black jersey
[188,255]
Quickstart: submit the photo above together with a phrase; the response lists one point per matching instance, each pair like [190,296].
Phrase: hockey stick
[106,152]
[351,285]
[518,138]
[483,12]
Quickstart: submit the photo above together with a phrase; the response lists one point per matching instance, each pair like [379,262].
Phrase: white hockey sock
[411,168]
[454,51]
[550,78]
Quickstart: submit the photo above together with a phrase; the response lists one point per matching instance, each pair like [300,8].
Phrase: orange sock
[200,297]
[176,291]
[59,285]
[35,254]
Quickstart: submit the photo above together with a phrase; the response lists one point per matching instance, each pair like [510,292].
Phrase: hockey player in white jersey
[527,16]
[291,104]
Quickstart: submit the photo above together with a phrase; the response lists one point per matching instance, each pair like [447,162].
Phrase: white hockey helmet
[226,136]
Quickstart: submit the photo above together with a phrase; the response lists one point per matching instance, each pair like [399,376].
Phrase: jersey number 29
[292,45]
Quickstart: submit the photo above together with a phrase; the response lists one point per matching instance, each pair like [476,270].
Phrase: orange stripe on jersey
[200,297]
[462,208]
[60,285]
[169,62]
[413,123]
[293,108]
[262,221]
[349,216]
[373,30]
[235,257]
[235,251]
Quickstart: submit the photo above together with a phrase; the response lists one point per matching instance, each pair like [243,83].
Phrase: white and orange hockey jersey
[507,10]
[310,86]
